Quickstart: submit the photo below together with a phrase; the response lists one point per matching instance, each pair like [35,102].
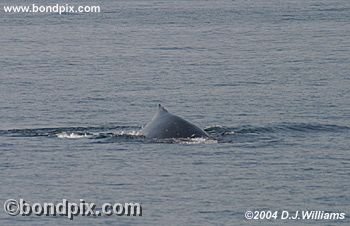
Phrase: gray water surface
[268,80]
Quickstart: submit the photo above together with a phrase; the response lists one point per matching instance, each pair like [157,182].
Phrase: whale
[166,125]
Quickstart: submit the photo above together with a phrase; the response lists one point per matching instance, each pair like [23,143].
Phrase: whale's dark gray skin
[166,125]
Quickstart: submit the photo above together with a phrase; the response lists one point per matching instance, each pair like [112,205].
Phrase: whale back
[166,125]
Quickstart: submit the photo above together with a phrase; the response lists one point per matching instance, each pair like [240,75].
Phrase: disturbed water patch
[269,134]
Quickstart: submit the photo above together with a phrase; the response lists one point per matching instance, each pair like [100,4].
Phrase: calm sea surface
[268,80]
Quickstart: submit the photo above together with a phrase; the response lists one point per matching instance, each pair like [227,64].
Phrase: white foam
[199,140]
[213,126]
[130,133]
[73,135]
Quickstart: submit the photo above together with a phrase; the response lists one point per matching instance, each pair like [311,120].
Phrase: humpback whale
[166,125]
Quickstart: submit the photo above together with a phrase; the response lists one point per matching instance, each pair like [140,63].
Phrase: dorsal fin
[161,108]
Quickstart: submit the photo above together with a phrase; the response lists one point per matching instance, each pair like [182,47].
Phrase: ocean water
[268,80]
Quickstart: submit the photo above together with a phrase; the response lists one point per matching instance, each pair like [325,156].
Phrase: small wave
[101,135]
[218,129]
[52,132]
[198,140]
[130,133]
[276,128]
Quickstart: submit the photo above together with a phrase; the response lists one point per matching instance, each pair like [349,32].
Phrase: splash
[73,135]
